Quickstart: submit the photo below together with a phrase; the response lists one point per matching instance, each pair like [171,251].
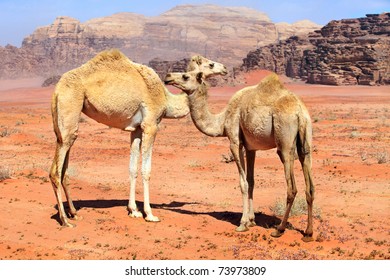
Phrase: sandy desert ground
[193,190]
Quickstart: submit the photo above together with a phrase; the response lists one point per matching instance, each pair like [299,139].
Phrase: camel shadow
[261,219]
[110,203]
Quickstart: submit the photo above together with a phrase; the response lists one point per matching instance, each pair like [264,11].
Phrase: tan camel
[259,117]
[117,92]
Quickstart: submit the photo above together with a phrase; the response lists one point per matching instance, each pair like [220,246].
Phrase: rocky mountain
[344,52]
[224,34]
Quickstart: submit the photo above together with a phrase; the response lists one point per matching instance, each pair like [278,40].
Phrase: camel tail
[54,114]
[304,143]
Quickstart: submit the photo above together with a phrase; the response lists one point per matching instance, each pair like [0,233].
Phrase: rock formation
[344,52]
[225,34]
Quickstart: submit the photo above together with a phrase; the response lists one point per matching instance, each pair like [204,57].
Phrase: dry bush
[228,158]
[382,157]
[6,131]
[299,208]
[5,173]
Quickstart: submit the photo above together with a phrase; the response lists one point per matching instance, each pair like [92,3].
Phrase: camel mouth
[169,82]
[172,82]
[224,72]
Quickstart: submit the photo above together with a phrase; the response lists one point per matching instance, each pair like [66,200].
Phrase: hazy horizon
[25,16]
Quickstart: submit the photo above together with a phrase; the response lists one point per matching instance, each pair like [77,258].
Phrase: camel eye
[186,77]
[211,65]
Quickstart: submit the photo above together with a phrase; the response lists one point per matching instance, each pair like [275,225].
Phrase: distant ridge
[344,52]
[225,34]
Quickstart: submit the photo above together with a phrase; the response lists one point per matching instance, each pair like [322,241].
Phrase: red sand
[195,194]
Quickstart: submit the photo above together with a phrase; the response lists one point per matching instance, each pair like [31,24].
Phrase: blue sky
[19,18]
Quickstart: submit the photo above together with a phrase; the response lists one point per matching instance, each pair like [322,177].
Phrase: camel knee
[146,174]
[291,196]
[54,176]
[71,138]
[133,170]
[66,138]
[309,197]
[244,186]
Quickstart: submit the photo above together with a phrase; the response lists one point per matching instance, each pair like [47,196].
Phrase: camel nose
[225,71]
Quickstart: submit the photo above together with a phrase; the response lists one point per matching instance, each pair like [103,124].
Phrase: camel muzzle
[169,80]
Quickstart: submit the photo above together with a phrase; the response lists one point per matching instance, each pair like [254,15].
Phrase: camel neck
[177,105]
[206,122]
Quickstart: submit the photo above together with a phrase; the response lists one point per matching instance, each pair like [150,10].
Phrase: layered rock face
[163,67]
[344,52]
[224,34]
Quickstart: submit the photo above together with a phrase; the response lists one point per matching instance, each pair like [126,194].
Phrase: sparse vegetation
[228,158]
[194,164]
[82,119]
[5,173]
[382,157]
[299,208]
[6,131]
[354,134]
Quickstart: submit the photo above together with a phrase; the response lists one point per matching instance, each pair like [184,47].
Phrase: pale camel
[115,91]
[259,117]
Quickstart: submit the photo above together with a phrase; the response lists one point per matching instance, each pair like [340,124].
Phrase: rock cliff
[224,34]
[344,52]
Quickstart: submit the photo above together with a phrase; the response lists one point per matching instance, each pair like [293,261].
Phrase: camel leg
[133,168]
[250,160]
[56,177]
[287,157]
[305,160]
[148,136]
[66,125]
[72,209]
[238,155]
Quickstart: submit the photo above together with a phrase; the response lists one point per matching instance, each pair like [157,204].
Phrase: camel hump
[108,56]
[271,84]
[151,79]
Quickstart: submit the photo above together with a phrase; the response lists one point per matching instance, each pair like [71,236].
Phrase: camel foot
[68,225]
[153,219]
[251,224]
[135,214]
[277,233]
[76,217]
[242,228]
[307,238]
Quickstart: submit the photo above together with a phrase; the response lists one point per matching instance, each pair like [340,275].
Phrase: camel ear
[198,60]
[199,77]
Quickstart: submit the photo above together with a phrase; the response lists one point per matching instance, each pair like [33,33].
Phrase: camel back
[115,61]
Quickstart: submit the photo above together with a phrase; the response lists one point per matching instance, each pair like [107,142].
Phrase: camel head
[188,82]
[208,67]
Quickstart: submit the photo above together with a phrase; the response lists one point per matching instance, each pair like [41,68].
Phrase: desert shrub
[382,157]
[299,207]
[6,131]
[5,173]
[228,158]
